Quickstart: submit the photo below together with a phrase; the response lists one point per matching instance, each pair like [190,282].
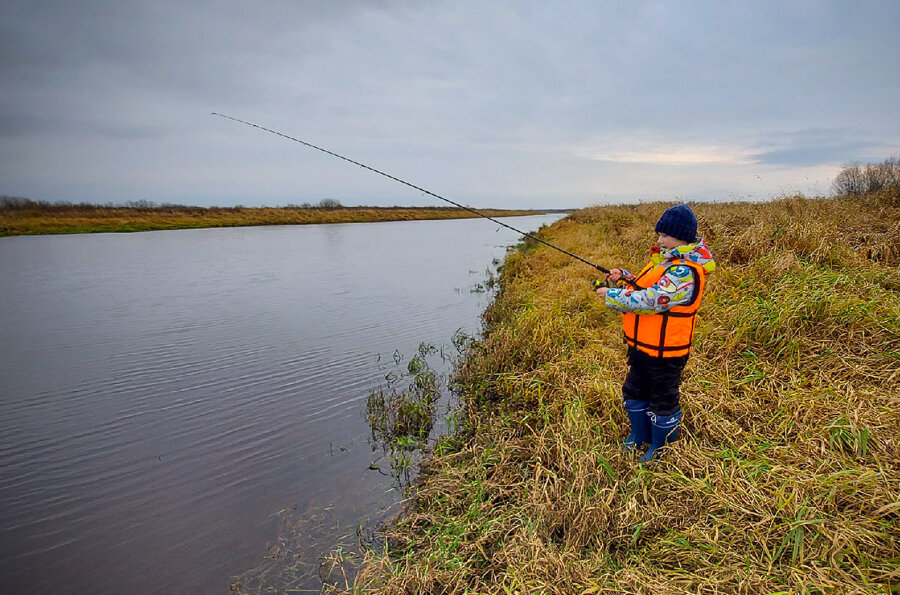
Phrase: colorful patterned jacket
[674,288]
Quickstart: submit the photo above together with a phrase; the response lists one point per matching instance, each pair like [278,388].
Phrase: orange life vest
[668,333]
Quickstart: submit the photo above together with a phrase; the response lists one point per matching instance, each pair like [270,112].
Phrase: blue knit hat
[678,222]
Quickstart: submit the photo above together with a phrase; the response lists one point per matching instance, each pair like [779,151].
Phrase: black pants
[655,380]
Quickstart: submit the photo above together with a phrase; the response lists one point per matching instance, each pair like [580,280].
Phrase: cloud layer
[495,104]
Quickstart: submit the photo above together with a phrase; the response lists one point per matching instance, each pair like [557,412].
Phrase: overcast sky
[506,104]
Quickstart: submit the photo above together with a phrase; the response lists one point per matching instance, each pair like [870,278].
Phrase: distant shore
[24,217]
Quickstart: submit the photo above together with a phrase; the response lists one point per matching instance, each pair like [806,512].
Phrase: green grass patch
[786,477]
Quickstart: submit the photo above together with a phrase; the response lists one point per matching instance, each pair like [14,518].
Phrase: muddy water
[173,402]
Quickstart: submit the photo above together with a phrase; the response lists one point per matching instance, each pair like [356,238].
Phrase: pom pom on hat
[678,222]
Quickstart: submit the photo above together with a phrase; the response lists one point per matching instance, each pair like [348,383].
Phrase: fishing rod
[428,192]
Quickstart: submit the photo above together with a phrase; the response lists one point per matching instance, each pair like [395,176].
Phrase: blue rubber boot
[664,430]
[640,424]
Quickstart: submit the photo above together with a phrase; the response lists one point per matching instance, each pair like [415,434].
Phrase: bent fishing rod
[428,192]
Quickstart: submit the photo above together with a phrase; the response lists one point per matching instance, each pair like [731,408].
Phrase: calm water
[172,402]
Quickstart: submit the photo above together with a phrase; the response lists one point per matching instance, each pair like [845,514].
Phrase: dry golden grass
[50,219]
[787,474]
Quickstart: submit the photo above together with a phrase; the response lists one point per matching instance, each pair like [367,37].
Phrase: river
[176,403]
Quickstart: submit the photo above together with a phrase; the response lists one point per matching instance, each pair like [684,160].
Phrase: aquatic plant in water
[402,420]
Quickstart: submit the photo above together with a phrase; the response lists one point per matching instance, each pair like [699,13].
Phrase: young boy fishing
[659,308]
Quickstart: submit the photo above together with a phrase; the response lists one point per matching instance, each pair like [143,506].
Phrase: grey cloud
[454,92]
[817,155]
[817,146]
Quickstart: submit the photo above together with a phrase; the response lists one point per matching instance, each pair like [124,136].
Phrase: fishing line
[428,192]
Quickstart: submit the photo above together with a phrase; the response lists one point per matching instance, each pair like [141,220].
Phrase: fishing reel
[621,283]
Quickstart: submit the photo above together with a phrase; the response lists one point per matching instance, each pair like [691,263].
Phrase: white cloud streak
[665,153]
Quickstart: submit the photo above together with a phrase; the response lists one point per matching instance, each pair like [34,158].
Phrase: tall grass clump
[787,474]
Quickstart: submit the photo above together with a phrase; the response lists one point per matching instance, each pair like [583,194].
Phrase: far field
[25,217]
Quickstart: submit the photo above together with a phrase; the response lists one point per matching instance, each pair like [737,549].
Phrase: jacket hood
[695,252]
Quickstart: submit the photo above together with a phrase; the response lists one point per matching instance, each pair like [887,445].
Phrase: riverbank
[786,477]
[31,218]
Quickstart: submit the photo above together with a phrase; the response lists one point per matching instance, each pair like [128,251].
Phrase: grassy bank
[787,474]
[30,218]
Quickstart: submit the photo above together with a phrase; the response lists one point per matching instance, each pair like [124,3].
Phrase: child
[659,308]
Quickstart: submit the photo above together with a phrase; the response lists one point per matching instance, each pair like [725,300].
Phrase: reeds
[787,474]
[401,421]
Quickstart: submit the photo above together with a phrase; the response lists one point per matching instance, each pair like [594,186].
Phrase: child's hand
[601,291]
[615,275]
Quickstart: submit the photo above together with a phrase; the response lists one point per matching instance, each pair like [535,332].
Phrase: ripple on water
[164,394]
